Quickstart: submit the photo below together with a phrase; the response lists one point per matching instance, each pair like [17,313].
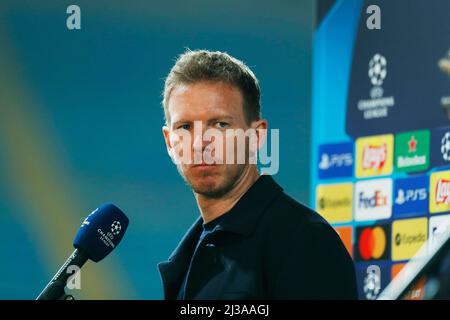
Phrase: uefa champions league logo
[445,146]
[377,69]
[378,105]
[372,282]
[116,227]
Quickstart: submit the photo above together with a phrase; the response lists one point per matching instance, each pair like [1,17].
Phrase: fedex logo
[378,199]
[373,199]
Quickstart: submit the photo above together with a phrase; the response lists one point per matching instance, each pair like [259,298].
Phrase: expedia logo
[335,202]
[407,240]
[408,236]
[325,203]
[372,243]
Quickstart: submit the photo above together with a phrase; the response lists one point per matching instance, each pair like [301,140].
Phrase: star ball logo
[116,227]
[445,146]
[408,236]
[378,105]
[374,155]
[372,282]
[372,277]
[412,151]
[440,147]
[372,242]
[440,192]
[377,69]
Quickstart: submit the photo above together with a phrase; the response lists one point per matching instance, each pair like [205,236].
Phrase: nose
[199,144]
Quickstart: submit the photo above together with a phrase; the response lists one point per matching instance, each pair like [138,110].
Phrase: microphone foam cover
[101,231]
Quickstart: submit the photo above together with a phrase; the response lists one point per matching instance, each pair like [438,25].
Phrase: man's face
[215,105]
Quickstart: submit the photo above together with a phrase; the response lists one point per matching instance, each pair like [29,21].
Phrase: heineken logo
[412,151]
[403,162]
[412,143]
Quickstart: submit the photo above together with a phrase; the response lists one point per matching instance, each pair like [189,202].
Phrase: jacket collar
[241,219]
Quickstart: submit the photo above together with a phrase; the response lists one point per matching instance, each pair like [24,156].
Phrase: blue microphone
[99,234]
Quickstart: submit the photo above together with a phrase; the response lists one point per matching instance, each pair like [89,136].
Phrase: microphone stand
[55,288]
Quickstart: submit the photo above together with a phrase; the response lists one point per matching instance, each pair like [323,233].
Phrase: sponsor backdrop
[381,132]
[80,124]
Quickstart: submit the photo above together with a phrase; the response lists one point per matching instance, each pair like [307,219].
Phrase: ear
[166,134]
[261,128]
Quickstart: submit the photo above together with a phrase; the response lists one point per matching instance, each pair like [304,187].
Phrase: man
[252,241]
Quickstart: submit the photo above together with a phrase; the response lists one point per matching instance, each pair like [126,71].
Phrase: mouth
[203,165]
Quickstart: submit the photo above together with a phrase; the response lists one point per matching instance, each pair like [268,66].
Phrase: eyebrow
[216,118]
[220,118]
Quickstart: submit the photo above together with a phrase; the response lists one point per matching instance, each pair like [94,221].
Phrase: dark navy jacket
[268,246]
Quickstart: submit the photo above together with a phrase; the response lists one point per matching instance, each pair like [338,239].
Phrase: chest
[226,267]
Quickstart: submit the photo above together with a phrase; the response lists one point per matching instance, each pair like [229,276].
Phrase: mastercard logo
[372,243]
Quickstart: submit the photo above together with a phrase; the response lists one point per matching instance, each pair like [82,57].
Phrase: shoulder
[288,222]
[286,213]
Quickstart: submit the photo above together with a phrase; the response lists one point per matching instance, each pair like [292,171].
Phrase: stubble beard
[214,185]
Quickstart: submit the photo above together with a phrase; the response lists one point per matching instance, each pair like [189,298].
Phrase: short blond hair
[203,65]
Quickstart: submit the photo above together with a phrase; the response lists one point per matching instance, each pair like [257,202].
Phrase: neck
[212,208]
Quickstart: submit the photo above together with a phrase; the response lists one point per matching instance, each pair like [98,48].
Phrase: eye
[222,125]
[185,126]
